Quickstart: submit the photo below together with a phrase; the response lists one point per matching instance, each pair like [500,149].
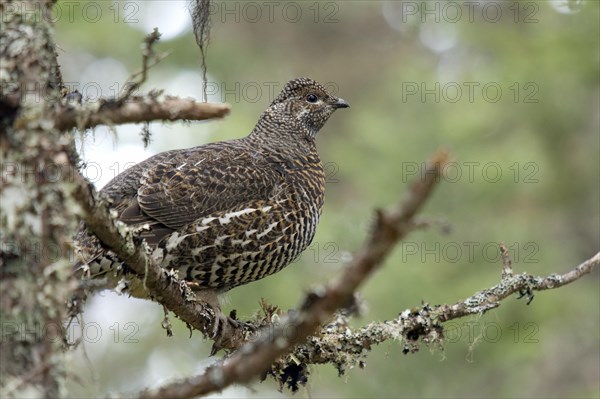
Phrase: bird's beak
[341,103]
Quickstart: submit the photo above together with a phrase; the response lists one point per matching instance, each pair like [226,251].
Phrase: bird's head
[304,106]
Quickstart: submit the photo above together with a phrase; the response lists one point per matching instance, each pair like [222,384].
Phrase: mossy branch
[344,348]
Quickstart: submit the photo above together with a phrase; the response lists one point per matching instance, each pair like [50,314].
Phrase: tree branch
[255,358]
[523,283]
[136,109]
[338,345]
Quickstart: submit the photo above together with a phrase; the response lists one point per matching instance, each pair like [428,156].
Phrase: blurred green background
[510,88]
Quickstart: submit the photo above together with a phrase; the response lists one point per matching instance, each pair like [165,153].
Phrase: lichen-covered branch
[344,348]
[136,109]
[256,358]
[522,283]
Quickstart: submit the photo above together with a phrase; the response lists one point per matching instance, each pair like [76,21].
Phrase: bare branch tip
[440,158]
[507,270]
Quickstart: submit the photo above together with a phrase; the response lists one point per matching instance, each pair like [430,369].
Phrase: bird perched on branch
[231,212]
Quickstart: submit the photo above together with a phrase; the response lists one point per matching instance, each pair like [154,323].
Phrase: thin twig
[149,59]
[507,270]
[491,297]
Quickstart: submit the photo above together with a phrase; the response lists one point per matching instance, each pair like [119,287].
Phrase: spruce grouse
[231,212]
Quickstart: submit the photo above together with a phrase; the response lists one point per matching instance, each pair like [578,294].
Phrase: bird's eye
[312,98]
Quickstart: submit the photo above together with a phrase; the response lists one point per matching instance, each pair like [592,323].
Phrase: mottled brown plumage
[228,213]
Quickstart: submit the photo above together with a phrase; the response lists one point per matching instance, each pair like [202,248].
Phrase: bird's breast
[252,241]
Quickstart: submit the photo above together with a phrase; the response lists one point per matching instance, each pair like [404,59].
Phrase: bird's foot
[224,330]
[233,320]
[227,330]
[221,321]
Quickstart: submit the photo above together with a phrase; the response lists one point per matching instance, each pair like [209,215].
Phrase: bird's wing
[190,184]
